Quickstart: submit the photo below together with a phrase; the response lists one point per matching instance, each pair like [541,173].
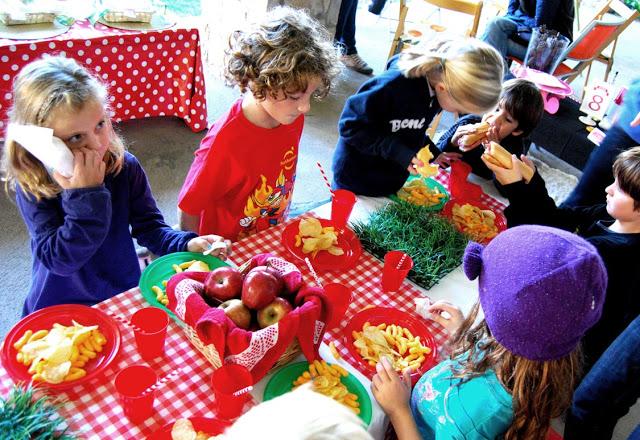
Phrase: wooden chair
[601,32]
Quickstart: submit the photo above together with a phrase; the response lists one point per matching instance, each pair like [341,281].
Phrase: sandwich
[498,156]
[479,132]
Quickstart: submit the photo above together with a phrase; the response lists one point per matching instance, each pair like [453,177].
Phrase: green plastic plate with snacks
[433,185]
[282,382]
[162,269]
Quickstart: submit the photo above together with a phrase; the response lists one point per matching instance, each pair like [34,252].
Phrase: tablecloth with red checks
[148,73]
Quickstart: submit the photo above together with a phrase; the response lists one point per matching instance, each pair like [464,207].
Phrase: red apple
[223,283]
[260,287]
[273,312]
[237,312]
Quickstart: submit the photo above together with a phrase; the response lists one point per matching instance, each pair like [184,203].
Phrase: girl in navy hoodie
[383,126]
[81,226]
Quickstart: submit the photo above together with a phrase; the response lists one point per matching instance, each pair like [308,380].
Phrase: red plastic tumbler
[150,330]
[130,383]
[341,207]
[397,265]
[227,380]
[339,297]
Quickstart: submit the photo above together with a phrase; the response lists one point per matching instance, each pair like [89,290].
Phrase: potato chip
[478,223]
[198,266]
[418,193]
[183,430]
[314,238]
[428,169]
[326,379]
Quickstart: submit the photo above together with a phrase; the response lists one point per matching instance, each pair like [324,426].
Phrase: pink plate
[323,260]
[62,314]
[210,426]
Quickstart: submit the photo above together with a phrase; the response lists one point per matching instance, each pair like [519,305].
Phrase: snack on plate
[479,224]
[417,192]
[392,341]
[428,169]
[325,380]
[497,155]
[479,132]
[59,355]
[314,238]
[187,266]
[183,429]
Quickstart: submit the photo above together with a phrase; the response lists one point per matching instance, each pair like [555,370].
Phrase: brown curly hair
[282,54]
[540,390]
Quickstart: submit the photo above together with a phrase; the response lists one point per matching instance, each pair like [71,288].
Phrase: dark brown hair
[540,390]
[282,54]
[626,169]
[522,99]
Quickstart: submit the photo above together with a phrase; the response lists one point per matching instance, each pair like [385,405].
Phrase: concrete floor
[164,147]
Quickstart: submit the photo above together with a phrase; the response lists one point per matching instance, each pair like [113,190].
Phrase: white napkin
[48,149]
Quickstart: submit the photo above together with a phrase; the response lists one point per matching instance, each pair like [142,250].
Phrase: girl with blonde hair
[383,125]
[81,224]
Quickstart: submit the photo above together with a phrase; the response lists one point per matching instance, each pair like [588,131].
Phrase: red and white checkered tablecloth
[149,73]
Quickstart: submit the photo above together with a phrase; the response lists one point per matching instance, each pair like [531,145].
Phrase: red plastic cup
[227,380]
[151,331]
[341,207]
[130,384]
[339,297]
[393,273]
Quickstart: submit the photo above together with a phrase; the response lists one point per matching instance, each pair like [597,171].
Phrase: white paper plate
[32,31]
[158,22]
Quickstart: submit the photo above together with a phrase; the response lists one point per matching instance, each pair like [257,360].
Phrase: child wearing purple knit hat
[509,374]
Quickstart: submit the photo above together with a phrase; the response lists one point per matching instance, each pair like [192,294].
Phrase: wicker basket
[30,18]
[211,354]
[114,16]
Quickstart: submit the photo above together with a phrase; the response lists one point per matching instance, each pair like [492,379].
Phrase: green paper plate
[432,184]
[161,269]
[282,382]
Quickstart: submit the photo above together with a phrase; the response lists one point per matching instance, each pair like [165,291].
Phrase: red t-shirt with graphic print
[241,180]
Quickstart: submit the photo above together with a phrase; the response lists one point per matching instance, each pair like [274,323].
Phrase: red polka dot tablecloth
[148,73]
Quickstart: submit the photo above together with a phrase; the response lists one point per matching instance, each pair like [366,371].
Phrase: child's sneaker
[354,62]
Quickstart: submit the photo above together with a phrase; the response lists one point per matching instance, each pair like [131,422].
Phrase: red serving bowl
[388,315]
[500,220]
[44,319]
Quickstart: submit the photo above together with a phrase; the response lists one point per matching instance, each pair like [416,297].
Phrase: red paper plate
[323,260]
[62,314]
[210,426]
[500,220]
[388,315]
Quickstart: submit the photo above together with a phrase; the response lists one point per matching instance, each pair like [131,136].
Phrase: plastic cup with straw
[132,384]
[397,265]
[342,202]
[231,384]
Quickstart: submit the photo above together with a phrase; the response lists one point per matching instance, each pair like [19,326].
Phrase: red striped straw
[162,382]
[324,176]
[242,391]
[124,321]
[404,256]
[313,272]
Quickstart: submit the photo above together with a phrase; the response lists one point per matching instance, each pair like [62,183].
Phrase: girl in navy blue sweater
[383,125]
[81,226]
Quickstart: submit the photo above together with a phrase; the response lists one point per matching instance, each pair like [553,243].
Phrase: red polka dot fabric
[148,73]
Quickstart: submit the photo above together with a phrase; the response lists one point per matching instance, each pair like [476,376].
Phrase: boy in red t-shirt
[242,178]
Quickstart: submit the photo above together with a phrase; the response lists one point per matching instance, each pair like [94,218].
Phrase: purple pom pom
[472,260]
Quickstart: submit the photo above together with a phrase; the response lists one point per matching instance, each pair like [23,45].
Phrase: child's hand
[444,159]
[204,242]
[447,315]
[507,176]
[415,163]
[390,390]
[88,170]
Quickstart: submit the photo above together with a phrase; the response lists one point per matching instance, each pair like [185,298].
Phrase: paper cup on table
[227,380]
[130,383]
[394,272]
[341,207]
[150,330]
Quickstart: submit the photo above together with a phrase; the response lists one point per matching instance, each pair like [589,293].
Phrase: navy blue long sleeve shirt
[554,14]
[81,240]
[382,127]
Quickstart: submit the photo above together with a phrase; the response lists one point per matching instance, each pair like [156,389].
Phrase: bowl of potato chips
[378,332]
[475,219]
[421,191]
[192,428]
[61,346]
[326,247]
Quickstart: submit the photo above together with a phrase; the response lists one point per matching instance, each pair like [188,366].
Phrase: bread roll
[498,156]
[479,132]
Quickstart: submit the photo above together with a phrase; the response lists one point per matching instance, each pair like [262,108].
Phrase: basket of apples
[260,315]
